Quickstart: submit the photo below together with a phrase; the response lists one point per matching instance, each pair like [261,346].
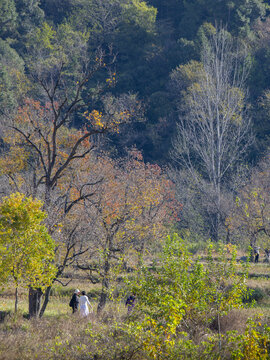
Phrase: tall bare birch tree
[213,131]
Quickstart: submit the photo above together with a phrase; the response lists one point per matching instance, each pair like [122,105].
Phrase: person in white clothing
[84,303]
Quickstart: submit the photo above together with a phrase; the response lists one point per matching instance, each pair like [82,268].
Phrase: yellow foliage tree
[27,250]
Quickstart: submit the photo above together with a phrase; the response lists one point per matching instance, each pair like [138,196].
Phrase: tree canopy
[27,250]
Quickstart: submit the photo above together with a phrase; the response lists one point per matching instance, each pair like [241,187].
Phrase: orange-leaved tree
[131,209]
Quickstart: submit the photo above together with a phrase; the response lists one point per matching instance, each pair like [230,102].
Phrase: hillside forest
[135,159]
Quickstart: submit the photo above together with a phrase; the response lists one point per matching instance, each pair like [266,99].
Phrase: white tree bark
[213,131]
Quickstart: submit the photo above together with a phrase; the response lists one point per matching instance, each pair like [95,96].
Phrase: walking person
[257,253]
[74,302]
[130,303]
[84,303]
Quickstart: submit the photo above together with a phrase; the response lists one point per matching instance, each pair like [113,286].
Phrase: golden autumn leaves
[99,121]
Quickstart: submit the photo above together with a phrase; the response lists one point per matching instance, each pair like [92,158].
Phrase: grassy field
[62,335]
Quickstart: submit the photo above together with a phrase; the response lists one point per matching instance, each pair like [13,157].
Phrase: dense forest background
[151,51]
[150,40]
[145,56]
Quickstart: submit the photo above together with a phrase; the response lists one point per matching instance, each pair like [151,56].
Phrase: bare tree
[213,131]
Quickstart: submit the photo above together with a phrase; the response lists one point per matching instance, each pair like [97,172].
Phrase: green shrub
[254,294]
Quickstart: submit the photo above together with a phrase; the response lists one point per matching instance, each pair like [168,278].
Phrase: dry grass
[61,335]
[237,318]
[22,339]
[37,339]
[58,335]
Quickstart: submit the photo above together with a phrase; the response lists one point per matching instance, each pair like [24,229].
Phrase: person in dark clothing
[130,303]
[74,302]
[257,254]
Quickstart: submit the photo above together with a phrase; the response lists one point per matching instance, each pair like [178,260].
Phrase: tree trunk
[34,297]
[105,287]
[228,235]
[16,299]
[214,227]
[46,300]
[215,216]
[141,253]
[102,300]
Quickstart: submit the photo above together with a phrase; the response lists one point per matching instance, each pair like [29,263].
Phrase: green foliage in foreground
[183,296]
[177,303]
[176,316]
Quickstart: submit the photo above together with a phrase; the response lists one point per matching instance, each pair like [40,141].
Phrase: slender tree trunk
[105,286]
[46,300]
[214,227]
[34,297]
[215,218]
[228,237]
[141,253]
[16,299]
[218,208]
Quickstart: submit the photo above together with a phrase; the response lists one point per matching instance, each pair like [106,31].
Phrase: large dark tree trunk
[34,297]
